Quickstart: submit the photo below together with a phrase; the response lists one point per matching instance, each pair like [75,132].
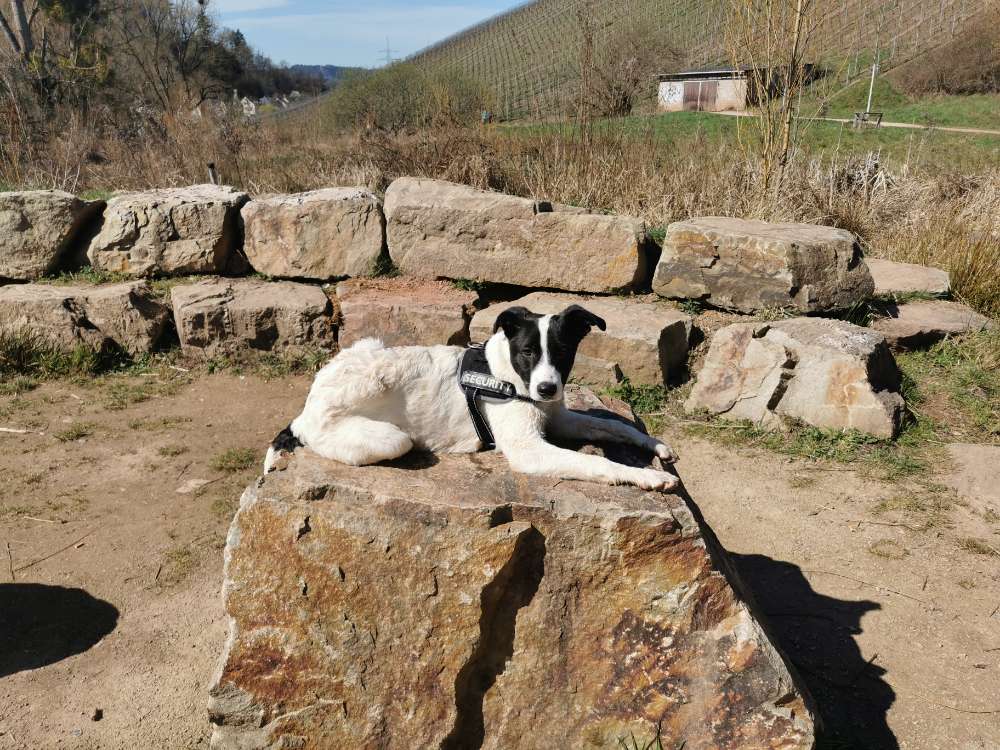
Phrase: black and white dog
[371,403]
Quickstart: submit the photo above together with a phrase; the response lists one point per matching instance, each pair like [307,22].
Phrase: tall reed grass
[929,216]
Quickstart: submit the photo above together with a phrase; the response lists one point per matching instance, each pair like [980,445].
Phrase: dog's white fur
[371,403]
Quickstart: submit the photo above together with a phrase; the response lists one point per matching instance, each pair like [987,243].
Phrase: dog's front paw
[651,479]
[665,453]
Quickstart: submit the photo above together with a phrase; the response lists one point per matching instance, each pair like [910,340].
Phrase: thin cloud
[246,6]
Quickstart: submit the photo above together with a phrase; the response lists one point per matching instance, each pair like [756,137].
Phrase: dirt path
[904,125]
[133,578]
[139,594]
[888,626]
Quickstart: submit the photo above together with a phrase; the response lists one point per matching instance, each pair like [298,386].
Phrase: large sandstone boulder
[322,234]
[171,232]
[439,229]
[826,373]
[449,603]
[646,342]
[217,316]
[37,230]
[748,266]
[127,316]
[404,312]
[916,324]
[905,278]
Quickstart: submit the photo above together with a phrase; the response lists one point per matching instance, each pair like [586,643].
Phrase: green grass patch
[24,353]
[96,195]
[159,423]
[647,401]
[383,267]
[957,383]
[931,149]
[657,235]
[161,287]
[644,399]
[938,110]
[468,285]
[86,275]
[234,460]
[75,431]
[886,459]
[171,451]
[17,385]
[120,394]
[270,365]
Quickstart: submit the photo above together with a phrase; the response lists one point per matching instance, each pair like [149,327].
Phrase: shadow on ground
[816,633]
[41,624]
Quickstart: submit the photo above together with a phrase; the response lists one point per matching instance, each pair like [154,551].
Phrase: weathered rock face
[322,234]
[826,373]
[439,229]
[916,324]
[226,315]
[37,228]
[744,265]
[453,604]
[404,312]
[125,315]
[171,232]
[895,278]
[645,341]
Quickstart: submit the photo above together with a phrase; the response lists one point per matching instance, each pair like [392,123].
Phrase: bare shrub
[969,64]
[770,39]
[403,97]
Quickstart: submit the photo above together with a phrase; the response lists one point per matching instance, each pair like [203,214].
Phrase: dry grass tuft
[234,460]
[889,549]
[978,547]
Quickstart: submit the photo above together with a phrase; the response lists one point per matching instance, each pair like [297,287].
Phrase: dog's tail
[284,442]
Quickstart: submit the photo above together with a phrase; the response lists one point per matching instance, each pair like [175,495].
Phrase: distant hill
[529,57]
[329,73]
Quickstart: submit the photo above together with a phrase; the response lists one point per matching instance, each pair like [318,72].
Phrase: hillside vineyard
[529,56]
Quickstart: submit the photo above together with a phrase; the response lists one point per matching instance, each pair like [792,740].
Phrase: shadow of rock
[816,632]
[40,625]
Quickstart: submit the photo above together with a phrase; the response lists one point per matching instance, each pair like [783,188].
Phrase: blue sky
[334,32]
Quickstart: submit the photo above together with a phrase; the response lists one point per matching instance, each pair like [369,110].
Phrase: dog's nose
[547,390]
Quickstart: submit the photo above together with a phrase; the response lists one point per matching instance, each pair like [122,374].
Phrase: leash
[476,380]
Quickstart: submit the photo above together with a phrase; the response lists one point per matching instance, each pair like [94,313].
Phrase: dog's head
[542,348]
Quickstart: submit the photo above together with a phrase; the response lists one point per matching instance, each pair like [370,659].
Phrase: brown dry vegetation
[931,215]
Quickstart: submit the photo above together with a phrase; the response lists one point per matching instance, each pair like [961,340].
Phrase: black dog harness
[476,381]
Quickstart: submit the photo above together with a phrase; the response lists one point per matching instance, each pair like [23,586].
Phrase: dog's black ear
[582,320]
[511,320]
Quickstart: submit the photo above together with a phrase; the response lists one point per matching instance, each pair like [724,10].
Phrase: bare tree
[618,58]
[769,39]
[20,36]
[168,46]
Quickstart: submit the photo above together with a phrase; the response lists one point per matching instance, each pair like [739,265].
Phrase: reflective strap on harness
[476,381]
[478,420]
